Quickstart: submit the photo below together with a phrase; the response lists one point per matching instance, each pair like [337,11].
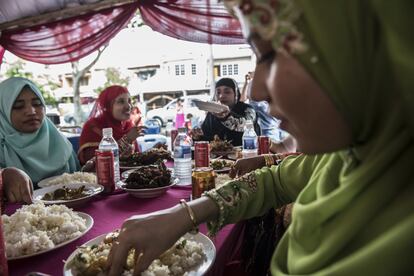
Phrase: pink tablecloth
[108,213]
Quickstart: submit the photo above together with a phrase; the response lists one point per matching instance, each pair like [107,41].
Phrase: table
[108,213]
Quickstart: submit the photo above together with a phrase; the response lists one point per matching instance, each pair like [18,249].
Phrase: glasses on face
[262,49]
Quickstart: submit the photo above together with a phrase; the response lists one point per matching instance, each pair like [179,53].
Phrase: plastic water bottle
[108,143]
[182,157]
[249,140]
[168,129]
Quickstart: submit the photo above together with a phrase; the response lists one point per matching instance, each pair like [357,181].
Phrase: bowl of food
[151,156]
[191,255]
[71,195]
[220,147]
[221,165]
[148,181]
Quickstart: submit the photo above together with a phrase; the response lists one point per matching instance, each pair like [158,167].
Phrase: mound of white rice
[68,178]
[37,227]
[178,260]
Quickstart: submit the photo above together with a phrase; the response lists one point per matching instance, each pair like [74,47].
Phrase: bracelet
[192,216]
[269,161]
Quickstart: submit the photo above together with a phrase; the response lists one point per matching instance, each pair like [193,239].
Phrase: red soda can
[202,154]
[3,260]
[264,143]
[174,133]
[105,170]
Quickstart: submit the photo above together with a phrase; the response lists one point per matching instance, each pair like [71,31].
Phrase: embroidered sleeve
[125,147]
[236,122]
[229,197]
[256,192]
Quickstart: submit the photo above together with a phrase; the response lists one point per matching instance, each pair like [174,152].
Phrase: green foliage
[113,77]
[17,69]
[136,21]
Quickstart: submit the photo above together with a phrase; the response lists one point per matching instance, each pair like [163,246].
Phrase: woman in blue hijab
[29,140]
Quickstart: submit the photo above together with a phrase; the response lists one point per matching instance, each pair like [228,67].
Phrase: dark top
[231,128]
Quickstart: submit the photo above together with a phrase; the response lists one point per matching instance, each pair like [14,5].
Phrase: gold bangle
[269,161]
[192,216]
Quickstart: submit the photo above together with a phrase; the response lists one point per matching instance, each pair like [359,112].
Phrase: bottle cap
[107,131]
[249,123]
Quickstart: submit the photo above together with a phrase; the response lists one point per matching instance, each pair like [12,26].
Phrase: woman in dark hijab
[228,125]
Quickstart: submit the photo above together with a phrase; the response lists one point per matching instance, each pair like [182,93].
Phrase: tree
[77,75]
[113,76]
[43,82]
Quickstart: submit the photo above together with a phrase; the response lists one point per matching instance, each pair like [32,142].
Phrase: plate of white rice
[36,229]
[191,255]
[68,178]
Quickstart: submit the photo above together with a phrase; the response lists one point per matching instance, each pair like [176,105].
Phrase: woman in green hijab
[29,140]
[338,74]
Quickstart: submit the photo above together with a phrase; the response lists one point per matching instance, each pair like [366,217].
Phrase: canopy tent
[59,31]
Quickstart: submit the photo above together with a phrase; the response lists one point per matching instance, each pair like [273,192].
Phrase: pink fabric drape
[197,21]
[71,39]
[2,51]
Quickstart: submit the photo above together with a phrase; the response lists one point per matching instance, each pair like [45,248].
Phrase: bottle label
[105,170]
[182,152]
[249,143]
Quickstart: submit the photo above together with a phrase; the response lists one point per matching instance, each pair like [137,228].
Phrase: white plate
[43,183]
[93,189]
[147,193]
[207,244]
[210,106]
[89,224]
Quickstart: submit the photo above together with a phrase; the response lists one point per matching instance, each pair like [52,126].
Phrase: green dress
[354,209]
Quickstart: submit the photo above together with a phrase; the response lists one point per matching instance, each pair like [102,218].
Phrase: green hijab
[41,154]
[362,54]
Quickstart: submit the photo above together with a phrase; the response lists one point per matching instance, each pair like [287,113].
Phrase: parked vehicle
[67,110]
[168,111]
[69,118]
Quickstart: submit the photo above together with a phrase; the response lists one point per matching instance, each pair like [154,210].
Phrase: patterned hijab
[40,154]
[362,54]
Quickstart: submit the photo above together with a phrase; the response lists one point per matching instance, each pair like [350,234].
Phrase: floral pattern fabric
[237,123]
[269,187]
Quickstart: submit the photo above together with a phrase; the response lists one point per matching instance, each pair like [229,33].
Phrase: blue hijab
[43,153]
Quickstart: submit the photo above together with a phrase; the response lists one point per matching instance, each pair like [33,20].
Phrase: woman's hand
[89,165]
[147,235]
[245,165]
[17,185]
[135,132]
